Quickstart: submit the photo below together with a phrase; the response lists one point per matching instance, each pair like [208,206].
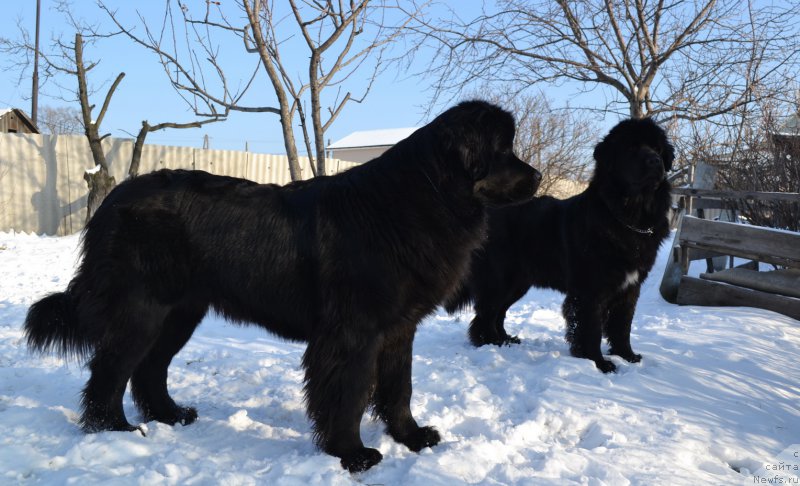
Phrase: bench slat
[754,242]
[694,291]
[783,282]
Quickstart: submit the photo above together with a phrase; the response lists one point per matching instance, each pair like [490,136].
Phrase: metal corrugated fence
[42,189]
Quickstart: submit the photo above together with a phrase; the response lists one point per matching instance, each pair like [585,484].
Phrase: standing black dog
[596,247]
[349,263]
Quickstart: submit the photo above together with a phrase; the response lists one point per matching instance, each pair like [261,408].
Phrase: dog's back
[525,246]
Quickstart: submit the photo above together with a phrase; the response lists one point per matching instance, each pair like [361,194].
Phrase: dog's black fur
[348,263]
[596,247]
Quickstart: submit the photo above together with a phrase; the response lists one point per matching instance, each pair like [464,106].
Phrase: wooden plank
[702,254]
[712,204]
[678,265]
[694,291]
[701,204]
[754,242]
[715,194]
[783,282]
[671,279]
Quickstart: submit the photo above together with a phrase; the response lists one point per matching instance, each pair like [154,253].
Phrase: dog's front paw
[361,460]
[605,365]
[421,438]
[177,415]
[628,355]
[632,358]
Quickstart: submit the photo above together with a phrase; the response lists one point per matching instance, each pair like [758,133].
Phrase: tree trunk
[289,143]
[98,179]
[637,107]
[138,146]
[100,184]
[286,113]
[316,108]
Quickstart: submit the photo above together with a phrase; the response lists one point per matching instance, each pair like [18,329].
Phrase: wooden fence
[42,189]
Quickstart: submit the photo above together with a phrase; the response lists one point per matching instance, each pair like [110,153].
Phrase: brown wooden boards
[695,291]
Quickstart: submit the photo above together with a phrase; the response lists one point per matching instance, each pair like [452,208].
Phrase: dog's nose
[654,160]
[537,179]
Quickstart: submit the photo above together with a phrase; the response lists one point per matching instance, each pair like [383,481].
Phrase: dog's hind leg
[500,329]
[130,334]
[499,324]
[488,326]
[584,318]
[340,375]
[149,380]
[482,329]
[392,395]
[618,326]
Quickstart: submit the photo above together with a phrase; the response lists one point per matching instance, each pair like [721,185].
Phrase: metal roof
[373,138]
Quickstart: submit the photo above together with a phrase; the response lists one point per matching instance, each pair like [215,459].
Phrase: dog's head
[479,137]
[634,157]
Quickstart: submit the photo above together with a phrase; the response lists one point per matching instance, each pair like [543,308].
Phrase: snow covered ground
[716,398]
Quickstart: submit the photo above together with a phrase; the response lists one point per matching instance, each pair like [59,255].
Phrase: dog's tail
[52,326]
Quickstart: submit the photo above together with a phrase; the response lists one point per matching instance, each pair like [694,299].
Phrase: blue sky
[397,99]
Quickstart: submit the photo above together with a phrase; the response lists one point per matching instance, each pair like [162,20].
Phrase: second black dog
[596,247]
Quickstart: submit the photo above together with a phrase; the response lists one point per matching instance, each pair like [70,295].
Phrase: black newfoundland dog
[596,247]
[349,263]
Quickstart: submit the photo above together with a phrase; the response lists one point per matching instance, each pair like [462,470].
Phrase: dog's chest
[639,261]
[631,279]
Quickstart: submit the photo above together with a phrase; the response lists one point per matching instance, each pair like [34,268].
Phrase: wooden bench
[699,239]
[773,290]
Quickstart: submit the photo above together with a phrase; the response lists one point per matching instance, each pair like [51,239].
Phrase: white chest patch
[631,278]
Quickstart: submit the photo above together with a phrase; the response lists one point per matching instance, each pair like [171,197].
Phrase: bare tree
[557,142]
[57,120]
[759,151]
[683,59]
[99,179]
[340,38]
[65,62]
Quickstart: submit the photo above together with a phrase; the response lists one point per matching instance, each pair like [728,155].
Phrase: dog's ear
[473,131]
[602,151]
[474,140]
[466,146]
[473,151]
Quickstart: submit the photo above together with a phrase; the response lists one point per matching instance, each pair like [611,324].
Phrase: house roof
[22,116]
[373,138]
